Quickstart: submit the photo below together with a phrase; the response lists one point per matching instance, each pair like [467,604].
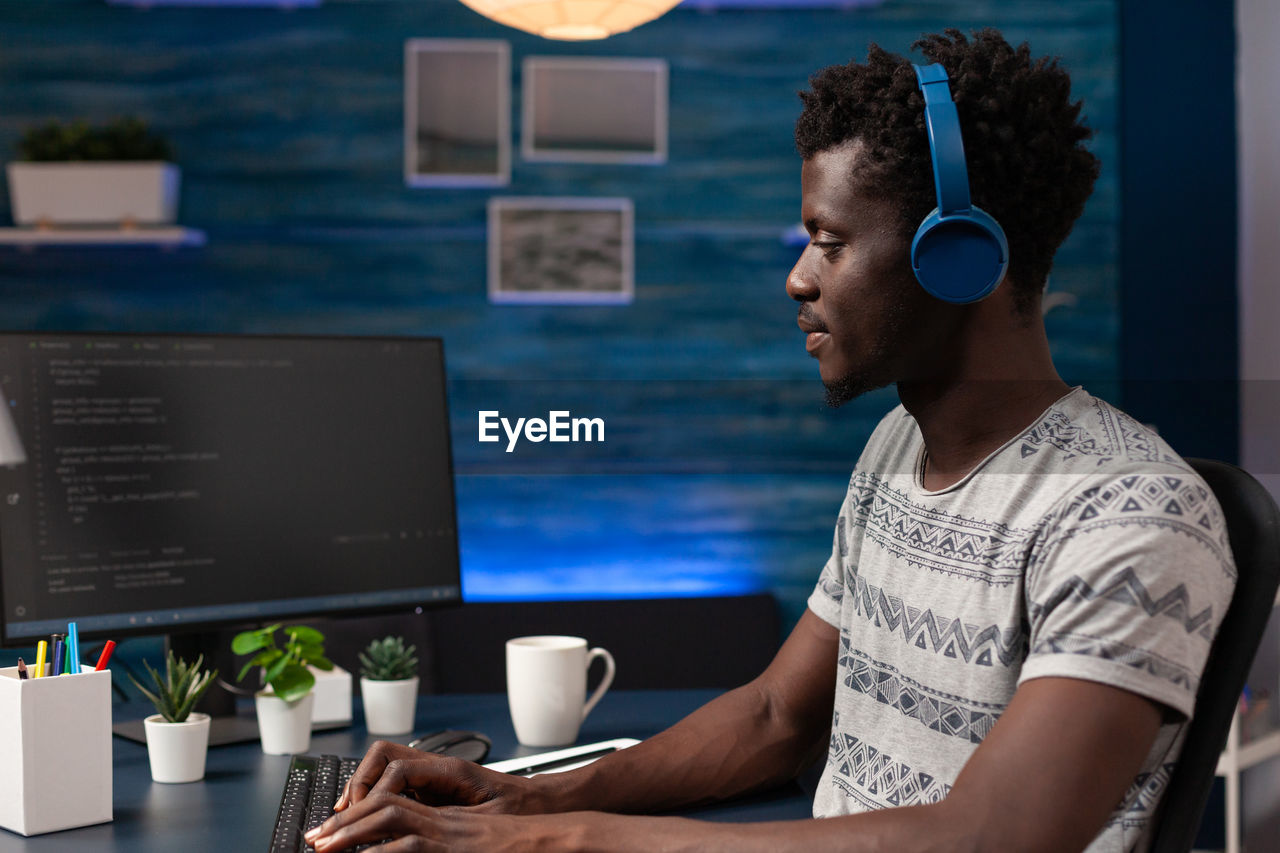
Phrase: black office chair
[1253,526]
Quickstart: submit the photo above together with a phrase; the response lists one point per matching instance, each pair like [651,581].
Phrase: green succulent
[388,660]
[176,693]
[285,669]
[122,139]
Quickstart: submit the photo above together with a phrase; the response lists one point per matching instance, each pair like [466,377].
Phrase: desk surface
[235,806]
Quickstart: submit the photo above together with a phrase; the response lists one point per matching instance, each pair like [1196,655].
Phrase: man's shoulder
[1082,433]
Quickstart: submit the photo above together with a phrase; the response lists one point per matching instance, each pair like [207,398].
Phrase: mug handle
[609,670]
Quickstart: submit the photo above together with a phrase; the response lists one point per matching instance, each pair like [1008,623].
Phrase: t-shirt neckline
[917,477]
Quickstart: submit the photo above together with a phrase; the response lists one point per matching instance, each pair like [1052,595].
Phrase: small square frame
[594,110]
[561,250]
[464,102]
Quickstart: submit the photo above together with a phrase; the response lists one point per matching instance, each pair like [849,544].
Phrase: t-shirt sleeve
[827,595]
[1130,585]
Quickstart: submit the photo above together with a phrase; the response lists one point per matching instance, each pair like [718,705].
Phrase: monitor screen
[178,482]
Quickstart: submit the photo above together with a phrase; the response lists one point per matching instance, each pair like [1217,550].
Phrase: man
[1003,650]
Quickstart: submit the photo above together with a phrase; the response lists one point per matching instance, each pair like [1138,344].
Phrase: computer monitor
[179,483]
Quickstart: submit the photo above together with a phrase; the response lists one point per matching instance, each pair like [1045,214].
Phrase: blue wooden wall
[722,470]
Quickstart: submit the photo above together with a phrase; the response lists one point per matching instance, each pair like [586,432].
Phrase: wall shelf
[165,238]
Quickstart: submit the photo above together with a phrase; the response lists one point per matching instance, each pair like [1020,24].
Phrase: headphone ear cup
[959,258]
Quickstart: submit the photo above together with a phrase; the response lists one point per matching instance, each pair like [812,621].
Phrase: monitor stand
[228,725]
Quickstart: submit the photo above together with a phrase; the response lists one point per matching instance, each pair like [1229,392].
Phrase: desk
[234,808]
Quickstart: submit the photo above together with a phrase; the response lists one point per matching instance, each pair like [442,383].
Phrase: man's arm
[1045,779]
[756,736]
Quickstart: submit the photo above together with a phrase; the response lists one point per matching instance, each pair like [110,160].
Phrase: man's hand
[434,780]
[414,826]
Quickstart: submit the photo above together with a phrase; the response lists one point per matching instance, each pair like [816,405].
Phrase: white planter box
[107,193]
[333,696]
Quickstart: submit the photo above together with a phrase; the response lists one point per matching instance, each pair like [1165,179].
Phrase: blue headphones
[959,253]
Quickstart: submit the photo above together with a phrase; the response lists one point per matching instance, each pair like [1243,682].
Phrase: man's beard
[851,387]
[876,372]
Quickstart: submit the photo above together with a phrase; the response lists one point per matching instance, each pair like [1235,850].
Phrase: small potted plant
[76,174]
[284,706]
[177,736]
[389,685]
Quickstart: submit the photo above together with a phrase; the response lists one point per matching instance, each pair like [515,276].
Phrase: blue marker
[73,649]
[59,649]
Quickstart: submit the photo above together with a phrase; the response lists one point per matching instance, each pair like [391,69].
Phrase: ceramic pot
[389,705]
[177,750]
[284,727]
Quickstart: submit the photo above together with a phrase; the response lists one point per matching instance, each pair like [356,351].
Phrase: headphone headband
[950,174]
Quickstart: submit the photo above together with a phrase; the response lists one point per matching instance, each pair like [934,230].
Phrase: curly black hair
[1022,138]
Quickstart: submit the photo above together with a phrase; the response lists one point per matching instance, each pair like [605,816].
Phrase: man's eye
[828,249]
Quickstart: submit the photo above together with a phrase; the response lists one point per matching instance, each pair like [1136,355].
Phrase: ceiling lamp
[572,20]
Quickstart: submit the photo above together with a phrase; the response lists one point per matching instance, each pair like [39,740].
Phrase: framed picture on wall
[594,110]
[561,250]
[457,113]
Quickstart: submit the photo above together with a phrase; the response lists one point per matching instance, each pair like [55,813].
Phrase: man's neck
[963,418]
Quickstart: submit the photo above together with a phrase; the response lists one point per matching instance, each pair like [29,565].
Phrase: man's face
[868,321]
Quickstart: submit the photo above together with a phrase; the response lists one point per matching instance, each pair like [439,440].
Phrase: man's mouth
[815,331]
[813,340]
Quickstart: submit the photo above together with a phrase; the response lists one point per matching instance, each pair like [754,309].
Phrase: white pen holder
[55,751]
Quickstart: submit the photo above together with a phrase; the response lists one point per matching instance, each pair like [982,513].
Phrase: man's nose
[798,286]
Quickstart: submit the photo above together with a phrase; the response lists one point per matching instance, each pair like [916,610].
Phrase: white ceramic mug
[547,687]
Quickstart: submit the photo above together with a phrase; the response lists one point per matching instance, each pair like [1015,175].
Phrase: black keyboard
[309,794]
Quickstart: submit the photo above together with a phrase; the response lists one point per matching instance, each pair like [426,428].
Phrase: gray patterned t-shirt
[1083,547]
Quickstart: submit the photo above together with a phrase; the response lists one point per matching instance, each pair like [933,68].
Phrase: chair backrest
[1253,527]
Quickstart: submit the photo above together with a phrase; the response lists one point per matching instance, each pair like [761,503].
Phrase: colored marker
[105,656]
[73,649]
[22,670]
[59,649]
[42,651]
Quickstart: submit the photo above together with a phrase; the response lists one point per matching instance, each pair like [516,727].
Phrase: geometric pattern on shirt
[1131,438]
[1137,807]
[945,713]
[1147,789]
[940,634]
[1113,650]
[1125,588]
[1118,436]
[942,542]
[1162,500]
[887,782]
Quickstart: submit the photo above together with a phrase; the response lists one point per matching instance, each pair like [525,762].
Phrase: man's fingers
[370,770]
[431,778]
[376,817]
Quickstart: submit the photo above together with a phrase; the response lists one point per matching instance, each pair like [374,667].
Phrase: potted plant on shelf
[284,706]
[177,736]
[389,686]
[76,174]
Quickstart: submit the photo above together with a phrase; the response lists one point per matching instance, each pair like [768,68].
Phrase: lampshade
[572,20]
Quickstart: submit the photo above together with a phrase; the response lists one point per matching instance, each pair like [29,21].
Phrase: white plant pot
[389,705]
[177,750]
[284,727]
[106,193]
